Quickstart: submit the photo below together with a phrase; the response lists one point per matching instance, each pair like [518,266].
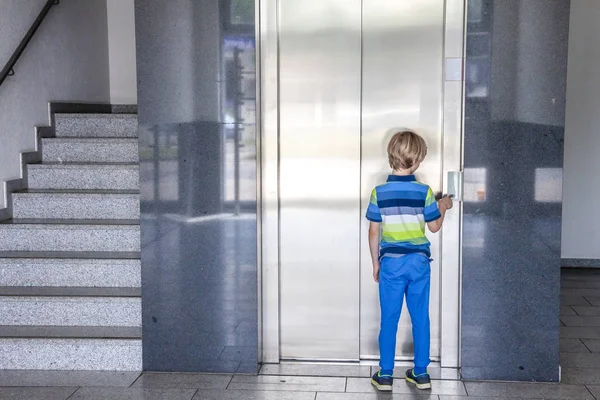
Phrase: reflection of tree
[242,12]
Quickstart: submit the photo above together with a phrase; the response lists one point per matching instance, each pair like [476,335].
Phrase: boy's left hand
[376,273]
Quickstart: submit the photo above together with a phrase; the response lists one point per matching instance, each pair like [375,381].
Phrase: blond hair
[406,149]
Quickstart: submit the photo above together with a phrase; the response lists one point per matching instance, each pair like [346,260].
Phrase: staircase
[69,259]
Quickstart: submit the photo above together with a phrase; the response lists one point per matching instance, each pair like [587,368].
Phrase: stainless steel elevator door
[319,182]
[402,86]
[349,72]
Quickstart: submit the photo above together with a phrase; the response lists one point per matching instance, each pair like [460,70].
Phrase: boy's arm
[444,204]
[435,226]
[374,229]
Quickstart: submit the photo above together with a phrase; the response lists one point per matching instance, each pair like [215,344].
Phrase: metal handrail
[8,70]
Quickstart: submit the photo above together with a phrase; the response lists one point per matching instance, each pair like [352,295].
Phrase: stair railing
[8,69]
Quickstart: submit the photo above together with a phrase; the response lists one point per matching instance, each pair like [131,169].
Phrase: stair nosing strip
[83,164]
[77,191]
[71,255]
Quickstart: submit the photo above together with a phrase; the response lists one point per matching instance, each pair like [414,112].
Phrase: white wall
[121,48]
[67,60]
[581,183]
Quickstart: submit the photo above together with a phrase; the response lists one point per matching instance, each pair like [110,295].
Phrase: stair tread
[58,222]
[77,191]
[85,261]
[97,115]
[47,165]
[84,164]
[55,291]
[68,332]
[75,255]
[90,139]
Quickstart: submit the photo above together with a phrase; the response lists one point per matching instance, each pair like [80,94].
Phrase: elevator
[338,78]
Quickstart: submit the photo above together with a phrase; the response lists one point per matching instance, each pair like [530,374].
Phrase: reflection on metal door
[403,45]
[338,76]
[319,140]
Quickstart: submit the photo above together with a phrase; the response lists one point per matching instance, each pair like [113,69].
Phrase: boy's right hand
[445,203]
[376,272]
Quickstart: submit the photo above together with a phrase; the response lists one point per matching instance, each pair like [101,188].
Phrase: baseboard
[580,263]
[124,108]
[45,131]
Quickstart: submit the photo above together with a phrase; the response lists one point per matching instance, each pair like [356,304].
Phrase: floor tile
[37,393]
[573,301]
[595,389]
[579,292]
[580,376]
[362,385]
[132,394]
[434,371]
[592,344]
[580,321]
[288,383]
[593,300]
[572,346]
[67,378]
[481,398]
[252,395]
[581,272]
[375,396]
[182,381]
[578,332]
[355,371]
[567,310]
[580,284]
[528,390]
[587,311]
[580,360]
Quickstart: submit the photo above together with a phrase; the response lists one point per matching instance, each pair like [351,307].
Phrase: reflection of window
[548,185]
[477,77]
[239,109]
[242,12]
[475,180]
[474,232]
[475,11]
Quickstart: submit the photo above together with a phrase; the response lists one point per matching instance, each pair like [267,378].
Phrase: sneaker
[422,381]
[383,383]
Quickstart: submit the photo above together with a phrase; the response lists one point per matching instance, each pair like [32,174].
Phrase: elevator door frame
[268,176]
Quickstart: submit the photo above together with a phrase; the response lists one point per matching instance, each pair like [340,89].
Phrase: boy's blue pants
[408,275]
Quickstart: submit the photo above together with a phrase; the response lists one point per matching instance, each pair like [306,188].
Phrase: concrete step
[96,125]
[111,150]
[56,272]
[71,354]
[70,311]
[66,205]
[66,291]
[85,176]
[52,237]
[70,332]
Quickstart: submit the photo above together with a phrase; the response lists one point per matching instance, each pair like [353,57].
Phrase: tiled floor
[580,360]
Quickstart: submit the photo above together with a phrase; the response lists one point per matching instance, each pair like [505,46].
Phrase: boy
[398,211]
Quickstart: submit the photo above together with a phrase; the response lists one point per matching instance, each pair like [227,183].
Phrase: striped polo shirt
[403,206]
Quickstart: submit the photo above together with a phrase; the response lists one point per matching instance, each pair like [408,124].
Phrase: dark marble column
[513,158]
[196,80]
